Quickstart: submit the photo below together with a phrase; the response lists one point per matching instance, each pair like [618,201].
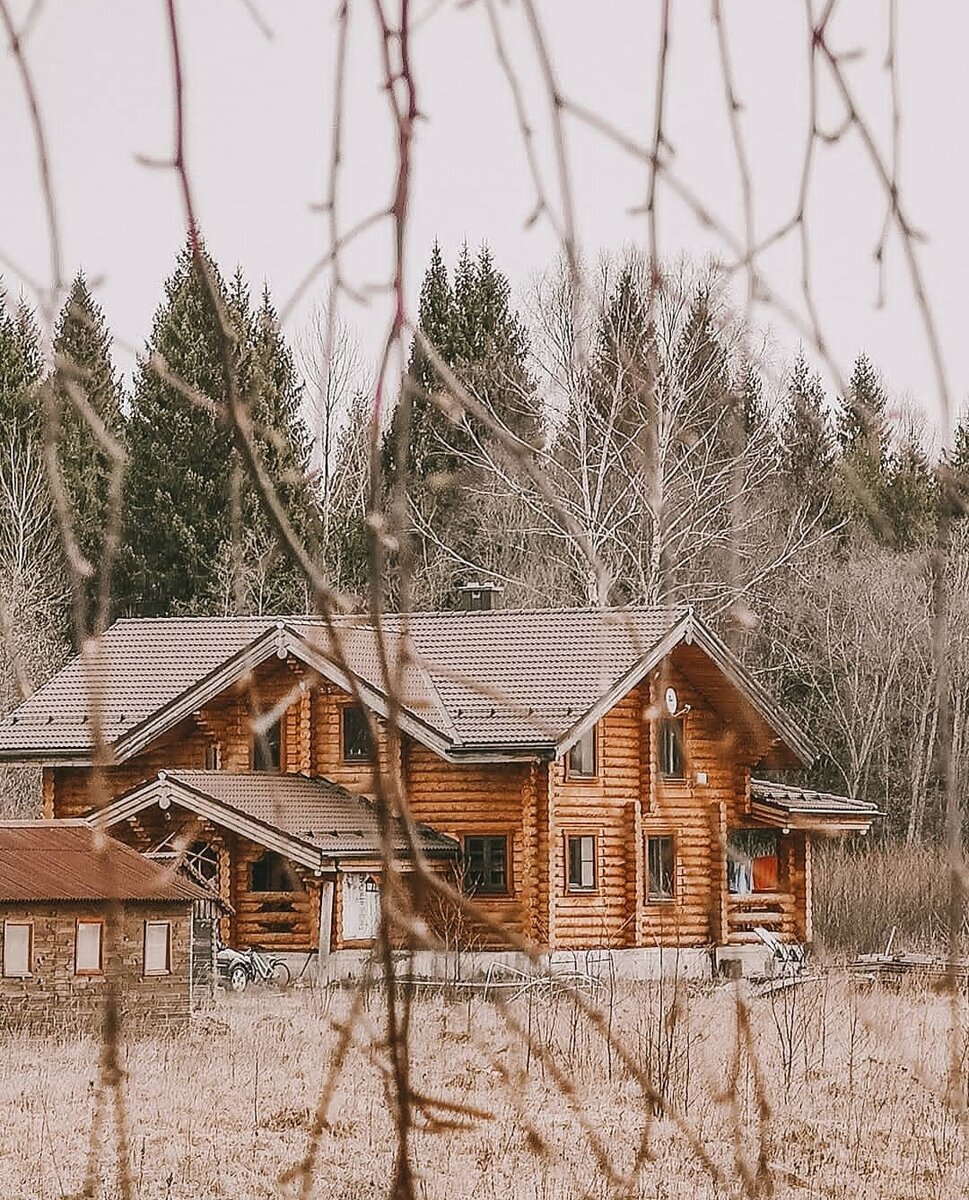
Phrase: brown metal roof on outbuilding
[68,860]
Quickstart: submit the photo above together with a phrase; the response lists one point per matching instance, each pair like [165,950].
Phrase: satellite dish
[672,703]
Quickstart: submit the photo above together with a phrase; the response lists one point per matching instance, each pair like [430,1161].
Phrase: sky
[260,115]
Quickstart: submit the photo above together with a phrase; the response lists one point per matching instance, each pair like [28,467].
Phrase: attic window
[357,743]
[671,763]
[267,748]
[582,760]
[273,873]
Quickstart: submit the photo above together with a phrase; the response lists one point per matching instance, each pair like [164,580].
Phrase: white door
[361,907]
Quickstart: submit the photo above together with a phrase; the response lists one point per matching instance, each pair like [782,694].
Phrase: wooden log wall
[285,921]
[697,814]
[327,703]
[605,807]
[471,800]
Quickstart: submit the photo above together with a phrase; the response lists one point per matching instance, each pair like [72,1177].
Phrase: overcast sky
[260,123]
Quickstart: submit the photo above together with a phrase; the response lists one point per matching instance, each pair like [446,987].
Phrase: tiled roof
[68,860]
[793,799]
[507,677]
[315,811]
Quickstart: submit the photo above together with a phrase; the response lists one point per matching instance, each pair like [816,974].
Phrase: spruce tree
[474,330]
[270,383]
[807,442]
[179,451]
[863,466]
[21,367]
[83,371]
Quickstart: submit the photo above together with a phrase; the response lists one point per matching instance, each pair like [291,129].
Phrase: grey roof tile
[501,678]
[318,811]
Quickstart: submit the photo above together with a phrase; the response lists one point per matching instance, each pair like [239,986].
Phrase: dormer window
[267,748]
[357,743]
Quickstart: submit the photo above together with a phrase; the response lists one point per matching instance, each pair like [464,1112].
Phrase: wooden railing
[769,910]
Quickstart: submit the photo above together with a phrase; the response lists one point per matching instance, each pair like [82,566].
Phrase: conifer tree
[21,366]
[474,329]
[84,372]
[807,443]
[183,549]
[177,518]
[863,466]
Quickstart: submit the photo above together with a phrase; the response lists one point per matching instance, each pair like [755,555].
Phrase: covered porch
[766,883]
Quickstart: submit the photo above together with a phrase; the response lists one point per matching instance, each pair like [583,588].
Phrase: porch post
[719,923]
[326,918]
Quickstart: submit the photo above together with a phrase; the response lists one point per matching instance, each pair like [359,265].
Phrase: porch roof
[313,821]
[803,808]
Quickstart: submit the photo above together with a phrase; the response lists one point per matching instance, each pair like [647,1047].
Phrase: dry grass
[851,1080]
[864,890]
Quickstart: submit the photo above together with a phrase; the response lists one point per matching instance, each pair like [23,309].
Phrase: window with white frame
[158,947]
[18,938]
[88,948]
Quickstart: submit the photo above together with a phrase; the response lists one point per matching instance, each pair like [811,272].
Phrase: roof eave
[760,699]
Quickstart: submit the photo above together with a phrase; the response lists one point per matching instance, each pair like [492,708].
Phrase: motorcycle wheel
[281,976]
[238,978]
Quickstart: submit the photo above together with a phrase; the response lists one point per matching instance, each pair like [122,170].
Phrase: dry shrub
[862,891]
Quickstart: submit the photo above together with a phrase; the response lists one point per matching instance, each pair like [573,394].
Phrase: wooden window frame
[289,873]
[257,741]
[352,761]
[570,775]
[30,948]
[670,836]
[156,974]
[509,840]
[90,971]
[684,765]
[577,889]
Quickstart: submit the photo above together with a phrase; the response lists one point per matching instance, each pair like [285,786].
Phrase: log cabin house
[81,913]
[594,775]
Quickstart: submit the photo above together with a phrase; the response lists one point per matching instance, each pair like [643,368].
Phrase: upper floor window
[583,757]
[273,873]
[357,743]
[18,947]
[267,748]
[486,865]
[581,862]
[671,759]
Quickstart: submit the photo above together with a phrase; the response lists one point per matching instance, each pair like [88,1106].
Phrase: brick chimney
[479,595]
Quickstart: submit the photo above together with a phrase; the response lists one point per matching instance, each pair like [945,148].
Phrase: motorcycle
[239,968]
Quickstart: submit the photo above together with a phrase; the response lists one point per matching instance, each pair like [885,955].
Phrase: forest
[612,436]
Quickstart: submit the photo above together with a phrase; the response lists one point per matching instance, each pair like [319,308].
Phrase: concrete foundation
[645,963]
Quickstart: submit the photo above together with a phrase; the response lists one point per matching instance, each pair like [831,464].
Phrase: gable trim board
[282,640]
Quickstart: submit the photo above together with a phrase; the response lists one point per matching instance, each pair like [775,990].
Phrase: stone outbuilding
[82,913]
